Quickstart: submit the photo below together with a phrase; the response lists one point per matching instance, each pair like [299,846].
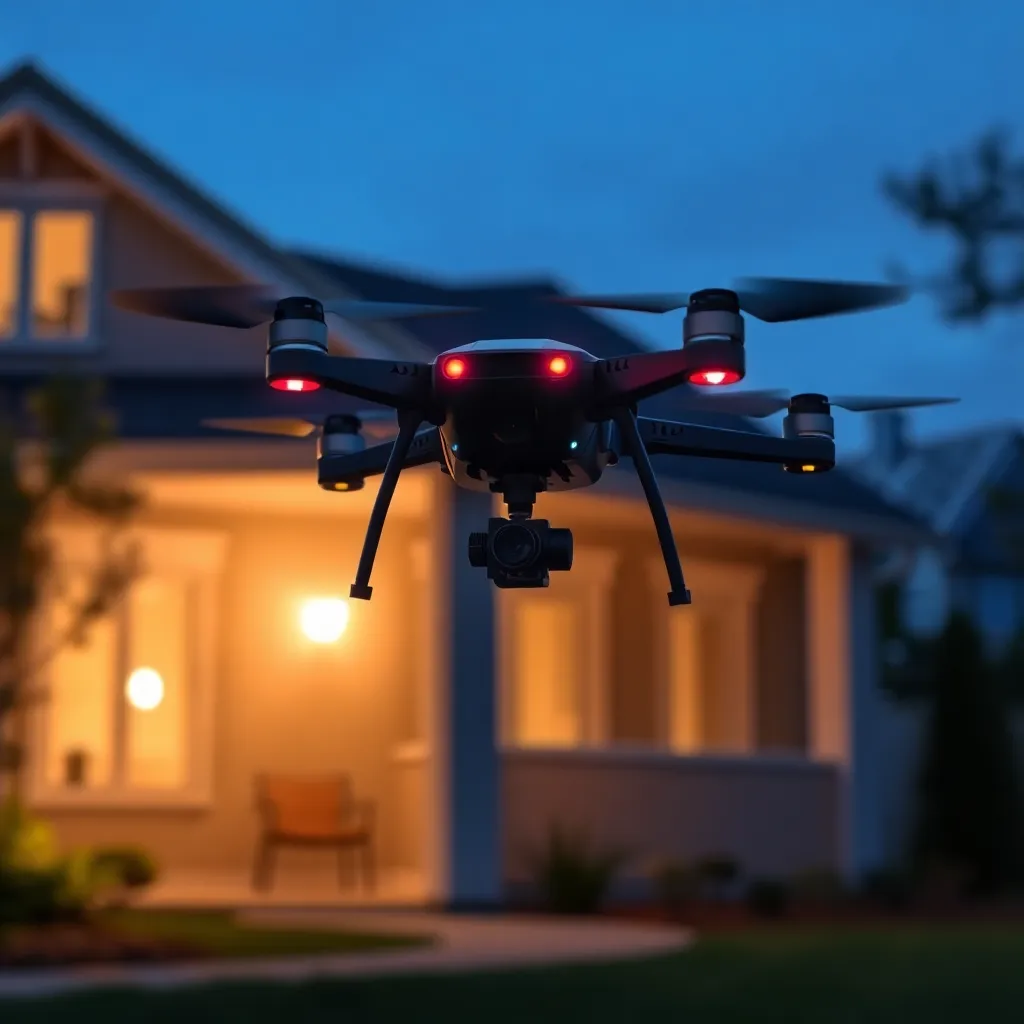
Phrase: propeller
[376,423]
[771,299]
[759,404]
[245,306]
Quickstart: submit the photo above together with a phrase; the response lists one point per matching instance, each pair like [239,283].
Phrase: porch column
[842,690]
[464,852]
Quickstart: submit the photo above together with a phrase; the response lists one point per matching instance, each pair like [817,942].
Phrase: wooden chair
[313,812]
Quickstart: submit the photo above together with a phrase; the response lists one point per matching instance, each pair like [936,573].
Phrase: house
[955,484]
[473,718]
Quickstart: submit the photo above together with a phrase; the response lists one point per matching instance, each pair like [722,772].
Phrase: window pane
[155,690]
[61,272]
[547,684]
[80,744]
[10,267]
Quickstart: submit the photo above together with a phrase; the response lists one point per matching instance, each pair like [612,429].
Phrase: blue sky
[633,145]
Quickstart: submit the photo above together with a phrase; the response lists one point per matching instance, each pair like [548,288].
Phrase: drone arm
[626,421]
[400,450]
[424,449]
[627,380]
[666,437]
[400,385]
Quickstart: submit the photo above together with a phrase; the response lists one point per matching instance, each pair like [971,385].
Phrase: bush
[717,873]
[128,867]
[676,885]
[969,814]
[768,897]
[572,875]
[821,888]
[890,888]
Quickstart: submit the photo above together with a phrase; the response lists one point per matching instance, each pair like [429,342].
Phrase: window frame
[196,557]
[29,200]
[591,581]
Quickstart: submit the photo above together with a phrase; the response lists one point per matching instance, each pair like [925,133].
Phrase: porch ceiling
[276,492]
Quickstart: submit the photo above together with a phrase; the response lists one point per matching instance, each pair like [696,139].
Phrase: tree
[969,813]
[977,198]
[45,449]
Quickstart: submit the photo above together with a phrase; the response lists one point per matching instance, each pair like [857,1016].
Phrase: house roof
[28,89]
[837,497]
[947,482]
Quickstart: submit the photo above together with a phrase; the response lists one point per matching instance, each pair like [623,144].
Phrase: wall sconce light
[145,689]
[324,619]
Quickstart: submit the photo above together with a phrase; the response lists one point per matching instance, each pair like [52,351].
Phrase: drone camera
[520,553]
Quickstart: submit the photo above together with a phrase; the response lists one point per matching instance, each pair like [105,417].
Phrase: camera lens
[515,546]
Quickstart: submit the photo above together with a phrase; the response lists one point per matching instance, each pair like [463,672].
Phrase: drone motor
[298,324]
[809,416]
[713,333]
[340,437]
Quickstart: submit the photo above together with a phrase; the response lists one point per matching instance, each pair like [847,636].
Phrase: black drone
[521,417]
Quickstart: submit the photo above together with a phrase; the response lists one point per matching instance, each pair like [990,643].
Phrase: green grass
[875,977]
[217,933]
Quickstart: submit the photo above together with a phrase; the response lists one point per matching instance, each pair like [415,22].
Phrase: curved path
[463,944]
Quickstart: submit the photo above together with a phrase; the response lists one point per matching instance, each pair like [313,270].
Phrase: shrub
[970,806]
[573,875]
[676,885]
[891,888]
[717,873]
[819,888]
[768,897]
[129,867]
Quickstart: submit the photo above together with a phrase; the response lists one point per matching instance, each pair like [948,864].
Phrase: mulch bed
[67,945]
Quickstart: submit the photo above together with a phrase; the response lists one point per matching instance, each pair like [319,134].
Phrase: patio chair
[313,812]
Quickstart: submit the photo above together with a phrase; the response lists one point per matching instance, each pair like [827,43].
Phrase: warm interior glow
[558,366]
[324,619]
[294,384]
[61,273]
[10,263]
[454,368]
[714,377]
[145,689]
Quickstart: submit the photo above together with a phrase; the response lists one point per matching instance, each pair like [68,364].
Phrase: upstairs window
[47,275]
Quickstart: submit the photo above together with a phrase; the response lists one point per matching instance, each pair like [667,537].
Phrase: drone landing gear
[408,424]
[625,420]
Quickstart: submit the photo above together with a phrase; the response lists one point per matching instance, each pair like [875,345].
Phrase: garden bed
[142,936]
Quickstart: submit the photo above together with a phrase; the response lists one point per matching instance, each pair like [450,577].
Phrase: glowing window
[10,267]
[62,246]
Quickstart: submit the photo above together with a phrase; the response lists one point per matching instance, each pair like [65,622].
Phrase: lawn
[875,977]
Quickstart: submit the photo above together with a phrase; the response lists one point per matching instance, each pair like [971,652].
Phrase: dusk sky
[636,145]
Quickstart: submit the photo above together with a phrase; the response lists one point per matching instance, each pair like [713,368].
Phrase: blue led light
[573,445]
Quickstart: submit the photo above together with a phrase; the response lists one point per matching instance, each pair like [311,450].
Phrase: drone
[523,417]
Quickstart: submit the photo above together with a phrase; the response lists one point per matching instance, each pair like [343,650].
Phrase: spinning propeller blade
[759,404]
[771,299]
[245,306]
[378,423]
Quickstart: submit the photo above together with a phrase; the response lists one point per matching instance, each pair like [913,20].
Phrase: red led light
[559,366]
[454,368]
[294,384]
[713,378]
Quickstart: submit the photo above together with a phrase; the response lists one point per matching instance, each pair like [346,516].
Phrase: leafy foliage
[572,874]
[768,897]
[977,198]
[45,449]
[970,810]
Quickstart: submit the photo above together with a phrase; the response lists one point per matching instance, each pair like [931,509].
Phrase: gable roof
[113,153]
[944,480]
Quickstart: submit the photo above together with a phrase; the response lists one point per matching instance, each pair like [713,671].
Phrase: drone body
[522,417]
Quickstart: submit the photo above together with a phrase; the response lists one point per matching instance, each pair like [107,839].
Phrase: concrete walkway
[463,944]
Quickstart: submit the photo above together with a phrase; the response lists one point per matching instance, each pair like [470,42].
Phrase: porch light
[145,689]
[324,619]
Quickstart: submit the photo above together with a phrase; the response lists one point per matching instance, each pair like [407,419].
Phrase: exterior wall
[285,705]
[775,815]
